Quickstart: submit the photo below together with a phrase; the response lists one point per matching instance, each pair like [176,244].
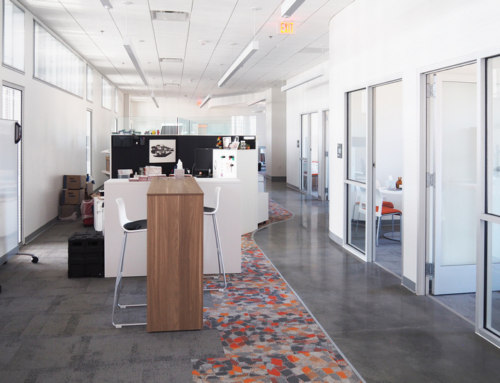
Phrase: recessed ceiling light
[127,2]
[170,60]
[141,41]
[170,84]
[169,16]
[107,4]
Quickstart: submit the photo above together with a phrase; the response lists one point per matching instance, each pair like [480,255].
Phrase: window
[106,94]
[90,83]
[13,36]
[116,100]
[56,64]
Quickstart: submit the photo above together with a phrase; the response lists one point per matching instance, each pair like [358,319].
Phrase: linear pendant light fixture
[154,99]
[107,4]
[289,7]
[127,43]
[239,62]
[312,76]
[205,100]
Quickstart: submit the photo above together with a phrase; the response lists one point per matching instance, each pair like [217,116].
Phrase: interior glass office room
[206,125]
[385,188]
[460,188]
[314,154]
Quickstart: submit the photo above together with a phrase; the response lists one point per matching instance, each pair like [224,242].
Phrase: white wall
[372,41]
[276,132]
[310,97]
[261,129]
[54,131]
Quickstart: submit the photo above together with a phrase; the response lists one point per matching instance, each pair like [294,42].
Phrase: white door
[453,180]
[12,109]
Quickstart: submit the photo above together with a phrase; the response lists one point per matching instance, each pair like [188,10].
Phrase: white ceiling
[227,26]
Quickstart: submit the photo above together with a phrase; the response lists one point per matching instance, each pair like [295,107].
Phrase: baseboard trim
[293,187]
[410,285]
[335,238]
[40,230]
[276,179]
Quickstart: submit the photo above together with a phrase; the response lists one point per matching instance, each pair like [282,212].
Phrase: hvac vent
[170,60]
[169,16]
[171,84]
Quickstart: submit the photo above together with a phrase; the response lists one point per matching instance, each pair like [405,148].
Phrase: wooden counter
[175,255]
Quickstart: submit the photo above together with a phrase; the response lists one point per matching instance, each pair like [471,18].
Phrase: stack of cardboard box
[75,189]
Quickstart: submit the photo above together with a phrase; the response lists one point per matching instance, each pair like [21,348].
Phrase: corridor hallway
[387,333]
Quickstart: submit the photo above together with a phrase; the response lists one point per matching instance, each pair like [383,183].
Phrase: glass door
[304,152]
[326,151]
[355,183]
[488,308]
[12,109]
[387,138]
[89,142]
[309,154]
[314,154]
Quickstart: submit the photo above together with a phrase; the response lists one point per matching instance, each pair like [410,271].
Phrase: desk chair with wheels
[212,211]
[129,227]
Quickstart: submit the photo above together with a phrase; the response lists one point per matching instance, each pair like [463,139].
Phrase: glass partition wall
[208,125]
[355,182]
[489,242]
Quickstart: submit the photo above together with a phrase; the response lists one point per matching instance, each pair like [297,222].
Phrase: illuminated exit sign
[285,28]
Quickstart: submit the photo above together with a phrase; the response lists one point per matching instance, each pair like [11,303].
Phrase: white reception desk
[134,194]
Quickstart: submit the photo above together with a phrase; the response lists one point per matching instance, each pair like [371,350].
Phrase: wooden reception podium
[175,255]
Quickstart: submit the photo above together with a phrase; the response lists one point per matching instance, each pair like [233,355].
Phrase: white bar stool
[128,227]
[212,211]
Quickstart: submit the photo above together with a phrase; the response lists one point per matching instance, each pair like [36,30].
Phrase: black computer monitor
[203,161]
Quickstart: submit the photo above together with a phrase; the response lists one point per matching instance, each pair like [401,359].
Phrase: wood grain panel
[186,185]
[175,257]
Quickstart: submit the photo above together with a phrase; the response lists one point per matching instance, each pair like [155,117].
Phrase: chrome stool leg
[118,287]
[220,259]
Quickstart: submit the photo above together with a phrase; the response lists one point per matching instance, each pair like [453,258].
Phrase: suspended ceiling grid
[215,34]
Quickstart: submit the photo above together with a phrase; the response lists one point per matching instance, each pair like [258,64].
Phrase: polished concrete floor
[388,333]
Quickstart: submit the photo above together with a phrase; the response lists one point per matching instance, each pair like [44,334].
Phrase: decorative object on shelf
[399,183]
[227,142]
[219,142]
[235,144]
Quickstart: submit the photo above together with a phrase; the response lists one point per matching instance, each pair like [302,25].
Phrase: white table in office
[135,196]
[393,235]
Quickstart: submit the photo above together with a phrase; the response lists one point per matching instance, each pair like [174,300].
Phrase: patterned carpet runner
[266,332]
